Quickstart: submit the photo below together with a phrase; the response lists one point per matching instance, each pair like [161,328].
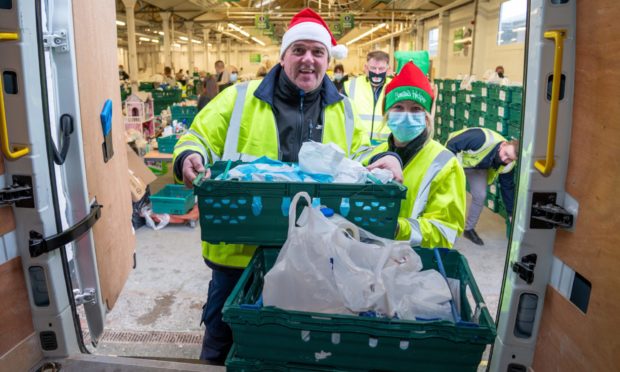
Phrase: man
[499,70]
[271,117]
[122,74]
[339,77]
[367,93]
[222,76]
[168,78]
[485,155]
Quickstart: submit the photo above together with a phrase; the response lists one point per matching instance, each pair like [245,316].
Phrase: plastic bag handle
[292,210]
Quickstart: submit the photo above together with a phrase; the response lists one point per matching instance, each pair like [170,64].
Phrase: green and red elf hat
[410,84]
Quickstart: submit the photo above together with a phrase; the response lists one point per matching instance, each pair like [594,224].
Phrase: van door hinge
[19,193]
[56,40]
[546,214]
[88,296]
[39,245]
[525,268]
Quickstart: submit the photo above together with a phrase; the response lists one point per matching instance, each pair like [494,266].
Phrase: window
[433,41]
[512,22]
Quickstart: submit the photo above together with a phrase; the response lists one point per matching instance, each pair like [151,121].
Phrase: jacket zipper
[301,124]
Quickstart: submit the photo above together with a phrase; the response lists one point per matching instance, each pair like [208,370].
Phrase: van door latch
[19,193]
[56,40]
[39,245]
[546,214]
[525,268]
[88,296]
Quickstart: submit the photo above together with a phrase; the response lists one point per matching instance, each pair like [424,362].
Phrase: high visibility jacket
[236,124]
[433,214]
[471,158]
[361,93]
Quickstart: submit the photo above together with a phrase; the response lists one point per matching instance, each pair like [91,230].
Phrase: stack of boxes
[486,105]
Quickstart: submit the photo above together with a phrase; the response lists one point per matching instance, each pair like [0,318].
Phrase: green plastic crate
[181,113]
[462,111]
[516,94]
[515,112]
[492,202]
[479,89]
[479,104]
[463,96]
[173,199]
[165,145]
[234,363]
[496,124]
[514,129]
[499,109]
[505,93]
[439,83]
[146,86]
[493,91]
[276,335]
[257,212]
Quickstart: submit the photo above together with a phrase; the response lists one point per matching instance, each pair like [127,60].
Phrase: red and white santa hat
[308,25]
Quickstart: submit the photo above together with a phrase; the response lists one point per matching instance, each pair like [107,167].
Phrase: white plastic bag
[320,158]
[330,265]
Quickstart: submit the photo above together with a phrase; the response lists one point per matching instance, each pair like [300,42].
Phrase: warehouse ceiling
[217,16]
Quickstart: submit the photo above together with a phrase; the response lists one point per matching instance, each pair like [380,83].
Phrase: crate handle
[286,204]
[345,207]
[257,205]
[4,133]
[558,36]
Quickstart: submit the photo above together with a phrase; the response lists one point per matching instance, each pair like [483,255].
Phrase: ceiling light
[238,29]
[156,41]
[144,38]
[120,23]
[261,3]
[176,45]
[367,33]
[258,41]
[184,38]
[196,41]
[235,36]
[160,32]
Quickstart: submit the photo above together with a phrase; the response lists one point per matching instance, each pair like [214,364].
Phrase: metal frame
[543,17]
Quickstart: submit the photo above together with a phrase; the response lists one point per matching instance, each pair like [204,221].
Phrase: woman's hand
[192,165]
[391,163]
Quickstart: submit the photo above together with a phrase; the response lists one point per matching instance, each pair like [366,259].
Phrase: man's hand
[391,163]
[192,165]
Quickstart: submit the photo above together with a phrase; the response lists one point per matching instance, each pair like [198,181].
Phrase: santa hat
[409,85]
[308,25]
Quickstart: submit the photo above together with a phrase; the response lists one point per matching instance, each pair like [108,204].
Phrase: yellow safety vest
[433,214]
[237,125]
[471,158]
[361,93]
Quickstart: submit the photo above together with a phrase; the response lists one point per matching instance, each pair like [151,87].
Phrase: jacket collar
[265,89]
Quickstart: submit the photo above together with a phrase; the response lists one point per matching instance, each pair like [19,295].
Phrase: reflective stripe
[416,234]
[352,88]
[232,135]
[369,117]
[448,233]
[349,123]
[425,186]
[214,156]
[201,148]
[362,153]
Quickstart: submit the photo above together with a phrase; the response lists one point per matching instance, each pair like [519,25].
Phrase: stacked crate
[486,105]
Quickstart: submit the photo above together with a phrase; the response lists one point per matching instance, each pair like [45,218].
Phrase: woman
[339,77]
[209,91]
[433,214]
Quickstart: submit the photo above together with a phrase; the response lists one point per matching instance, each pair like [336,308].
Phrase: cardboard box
[140,175]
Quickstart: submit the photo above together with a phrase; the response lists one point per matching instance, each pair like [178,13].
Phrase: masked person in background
[234,74]
[339,77]
[368,91]
[433,214]
[499,70]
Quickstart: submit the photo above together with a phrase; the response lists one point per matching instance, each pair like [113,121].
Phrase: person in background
[222,77]
[262,72]
[339,77]
[368,91]
[209,91]
[499,70]
[234,74]
[295,103]
[485,155]
[168,78]
[433,214]
[122,75]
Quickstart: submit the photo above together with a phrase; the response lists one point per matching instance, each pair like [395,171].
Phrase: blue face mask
[406,126]
[233,77]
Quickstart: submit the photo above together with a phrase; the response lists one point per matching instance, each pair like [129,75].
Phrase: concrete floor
[158,312]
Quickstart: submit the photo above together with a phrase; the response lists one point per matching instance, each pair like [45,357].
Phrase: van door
[74,236]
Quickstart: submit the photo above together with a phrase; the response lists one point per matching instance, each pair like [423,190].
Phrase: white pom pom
[339,51]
